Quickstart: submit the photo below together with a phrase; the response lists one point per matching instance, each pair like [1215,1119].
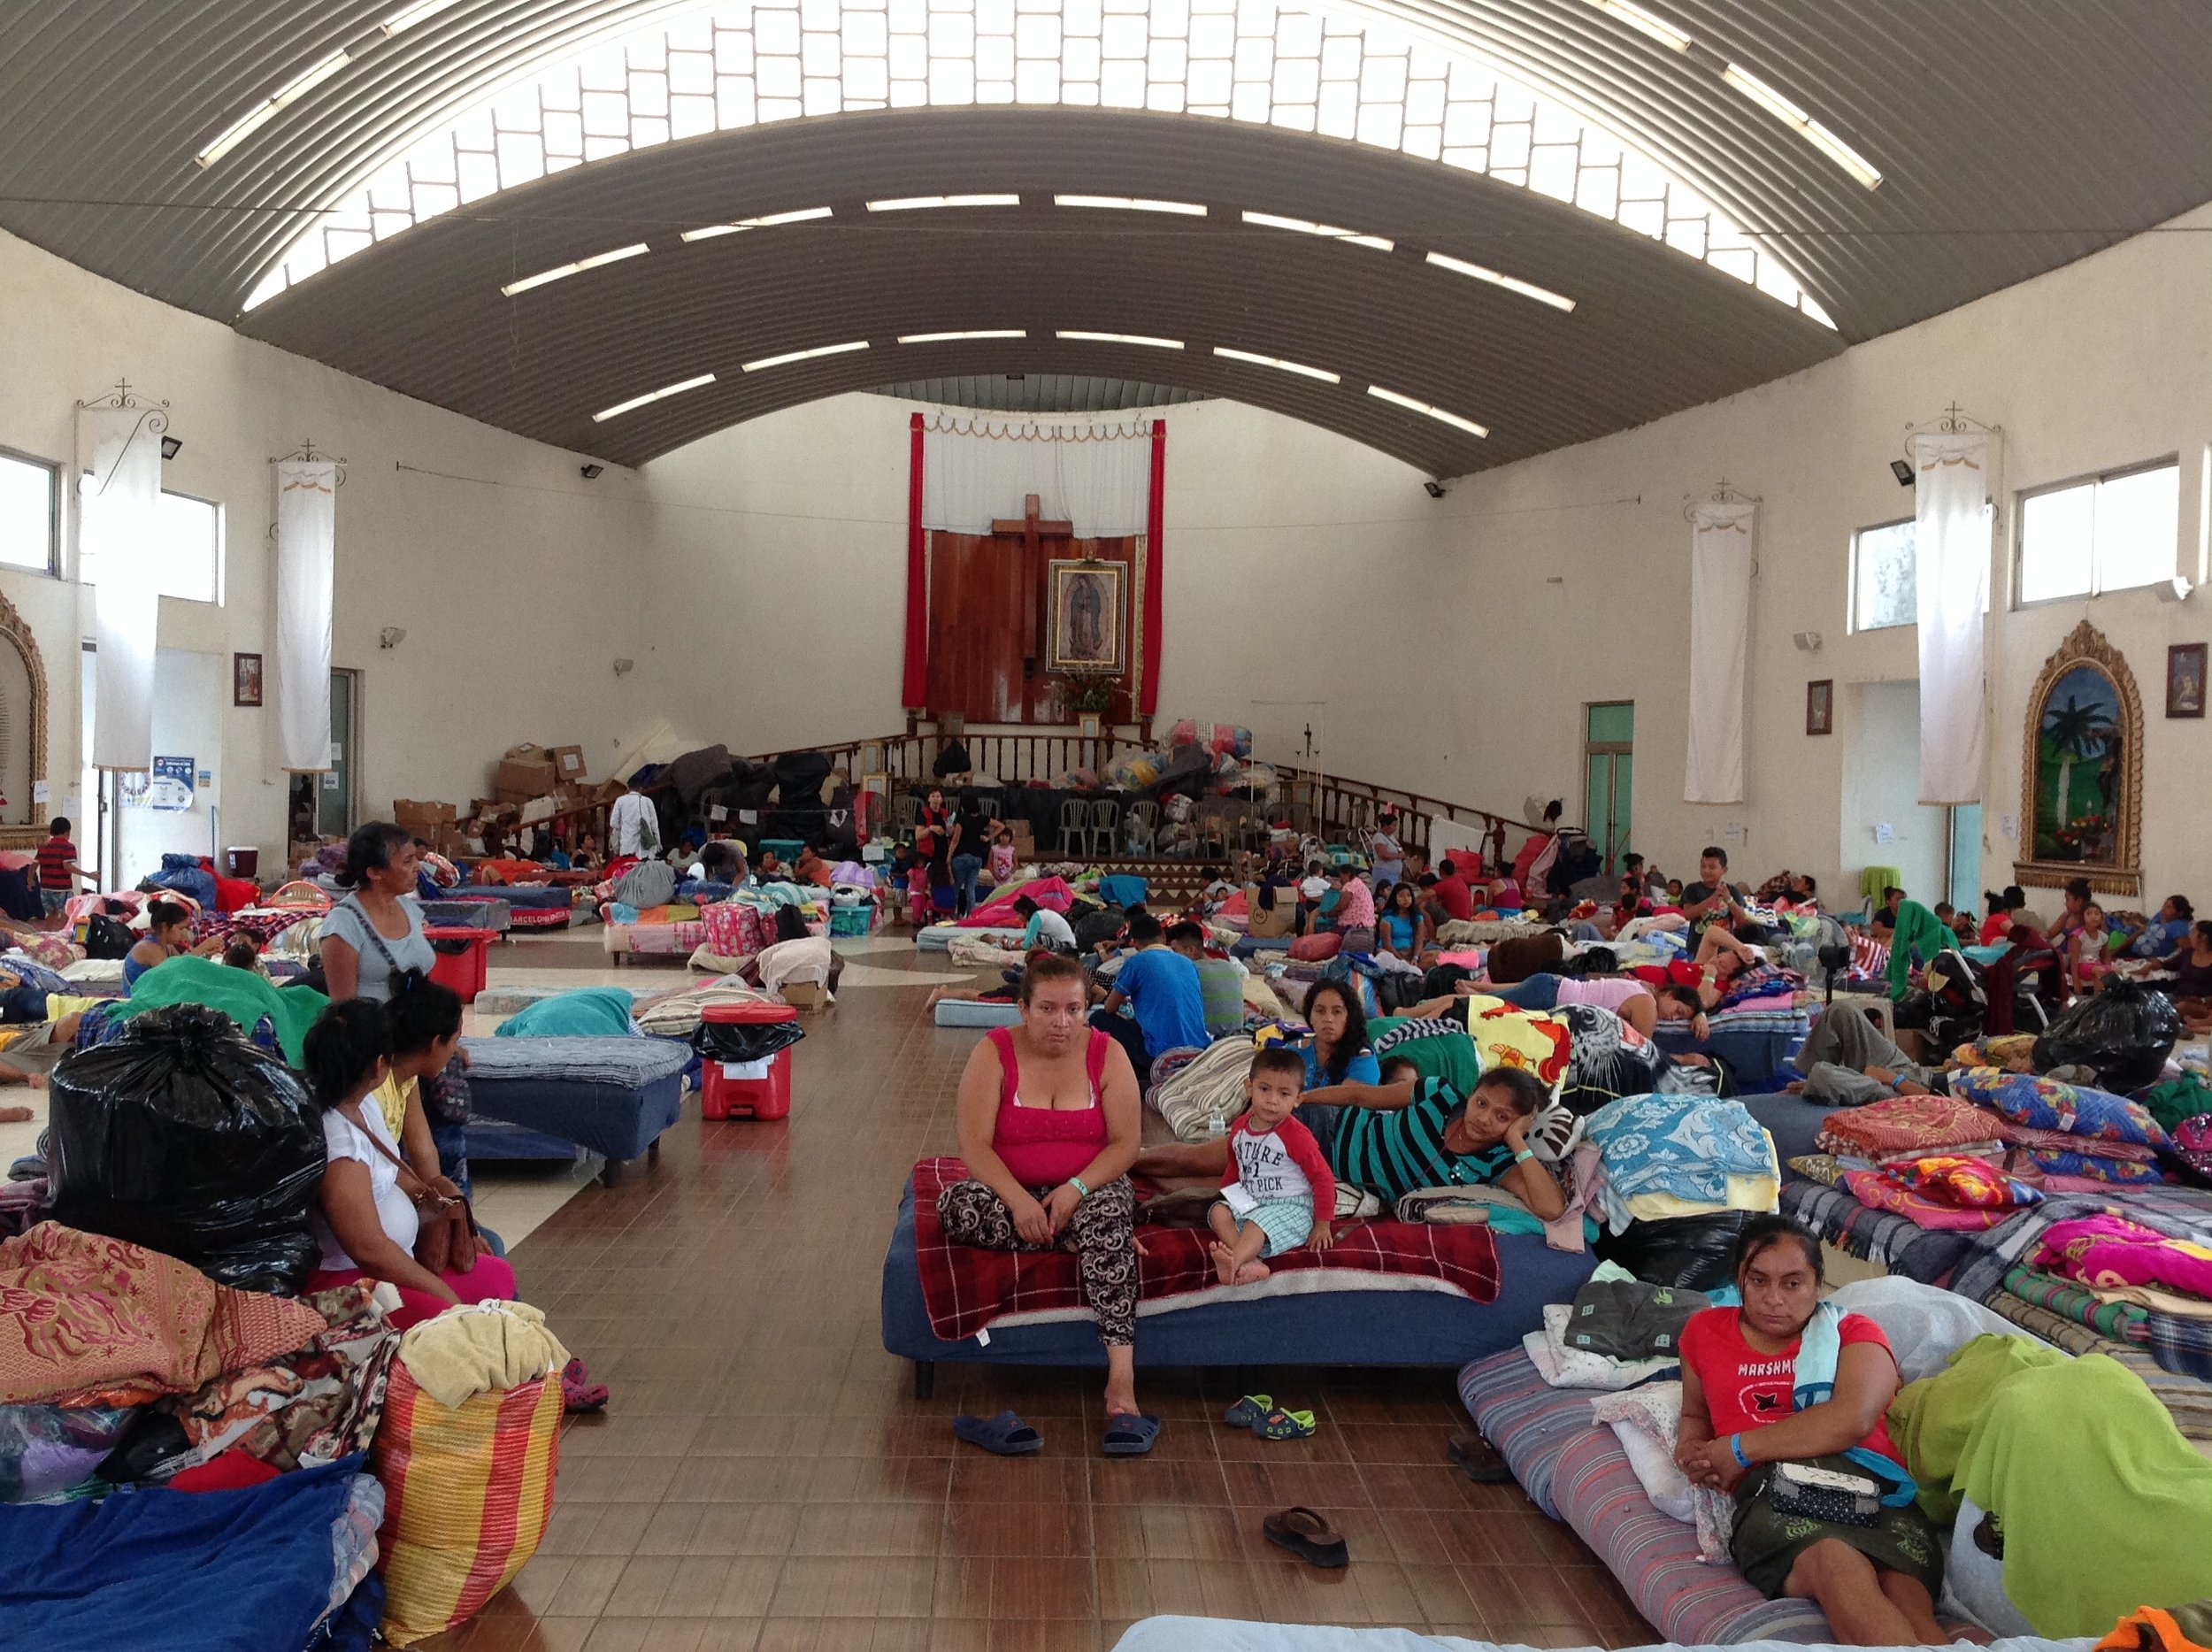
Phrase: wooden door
[988,626]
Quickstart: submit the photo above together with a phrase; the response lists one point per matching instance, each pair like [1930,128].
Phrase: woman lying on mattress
[1779,1397]
[1049,1125]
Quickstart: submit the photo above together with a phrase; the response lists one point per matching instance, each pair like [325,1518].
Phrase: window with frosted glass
[2110,533]
[1883,594]
[27,513]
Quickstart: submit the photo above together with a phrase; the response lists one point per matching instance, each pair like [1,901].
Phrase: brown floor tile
[765,1481]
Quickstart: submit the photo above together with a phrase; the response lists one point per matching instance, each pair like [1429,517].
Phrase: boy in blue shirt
[1161,989]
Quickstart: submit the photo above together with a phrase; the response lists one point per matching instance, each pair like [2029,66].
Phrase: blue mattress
[613,1096]
[494,913]
[1351,1327]
[538,896]
[1793,1122]
[1758,1057]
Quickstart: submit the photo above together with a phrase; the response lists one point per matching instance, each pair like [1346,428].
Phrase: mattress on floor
[1337,1323]
[938,937]
[1576,1472]
[1793,1121]
[519,896]
[613,1096]
[1230,1634]
[1756,1049]
[976,1012]
[508,1000]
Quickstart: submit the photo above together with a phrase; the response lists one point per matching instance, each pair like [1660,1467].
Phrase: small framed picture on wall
[245,680]
[1820,707]
[2184,680]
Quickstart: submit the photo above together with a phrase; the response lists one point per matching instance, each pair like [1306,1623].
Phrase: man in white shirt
[634,827]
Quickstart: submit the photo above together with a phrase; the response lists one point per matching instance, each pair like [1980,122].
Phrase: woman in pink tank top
[1049,1128]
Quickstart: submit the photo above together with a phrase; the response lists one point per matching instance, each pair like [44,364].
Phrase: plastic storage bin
[460,968]
[852,920]
[752,1089]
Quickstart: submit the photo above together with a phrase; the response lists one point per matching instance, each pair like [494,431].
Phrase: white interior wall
[1878,726]
[757,576]
[1290,561]
[512,576]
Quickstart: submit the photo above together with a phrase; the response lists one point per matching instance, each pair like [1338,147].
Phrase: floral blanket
[85,1319]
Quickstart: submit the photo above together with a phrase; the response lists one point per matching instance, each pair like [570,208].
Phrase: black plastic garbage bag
[182,1136]
[1694,1252]
[1102,924]
[744,1040]
[2124,1033]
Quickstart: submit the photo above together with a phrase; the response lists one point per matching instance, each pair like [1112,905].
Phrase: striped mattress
[1576,1470]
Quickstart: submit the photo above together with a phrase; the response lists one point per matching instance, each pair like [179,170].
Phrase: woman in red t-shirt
[1876,1583]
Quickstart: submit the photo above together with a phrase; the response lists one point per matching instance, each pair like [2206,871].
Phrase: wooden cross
[1032,529]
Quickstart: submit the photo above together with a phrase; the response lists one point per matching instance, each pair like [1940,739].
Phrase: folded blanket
[2122,1322]
[2088,1166]
[2107,1249]
[967,1289]
[86,1314]
[468,1351]
[1877,1192]
[1688,1146]
[1902,1123]
[2046,1104]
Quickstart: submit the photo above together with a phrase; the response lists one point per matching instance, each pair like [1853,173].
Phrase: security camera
[1902,472]
[591,472]
[1435,489]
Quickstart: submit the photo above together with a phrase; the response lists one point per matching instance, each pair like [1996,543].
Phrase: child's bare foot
[1250,1274]
[1224,1264]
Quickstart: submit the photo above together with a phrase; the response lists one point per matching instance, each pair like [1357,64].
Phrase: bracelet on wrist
[1735,1447]
[1076,1182]
[1523,1155]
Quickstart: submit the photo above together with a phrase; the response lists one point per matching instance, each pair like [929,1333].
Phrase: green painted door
[1609,780]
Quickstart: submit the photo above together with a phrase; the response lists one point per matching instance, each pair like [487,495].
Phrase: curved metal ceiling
[1037,393]
[2014,135]
[1651,332]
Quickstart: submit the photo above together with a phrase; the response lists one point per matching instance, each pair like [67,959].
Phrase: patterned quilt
[967,1289]
[653,941]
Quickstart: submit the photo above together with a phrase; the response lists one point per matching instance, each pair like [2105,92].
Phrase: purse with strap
[446,1234]
[383,951]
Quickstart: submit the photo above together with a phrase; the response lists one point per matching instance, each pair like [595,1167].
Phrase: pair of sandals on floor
[1128,1435]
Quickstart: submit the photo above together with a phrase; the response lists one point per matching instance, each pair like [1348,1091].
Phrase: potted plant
[1090,698]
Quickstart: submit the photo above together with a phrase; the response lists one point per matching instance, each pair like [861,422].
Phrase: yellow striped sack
[467,1494]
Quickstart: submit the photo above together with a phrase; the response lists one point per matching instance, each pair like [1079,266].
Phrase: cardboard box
[520,779]
[568,761]
[806,996]
[537,811]
[423,818]
[1265,925]
[1025,839]
[609,791]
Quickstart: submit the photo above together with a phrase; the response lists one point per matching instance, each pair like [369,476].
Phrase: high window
[27,514]
[2101,533]
[1883,594]
[187,555]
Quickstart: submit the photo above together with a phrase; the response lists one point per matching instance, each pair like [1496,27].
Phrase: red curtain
[1155,598]
[915,692]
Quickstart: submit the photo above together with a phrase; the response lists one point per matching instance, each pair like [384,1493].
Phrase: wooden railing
[1330,806]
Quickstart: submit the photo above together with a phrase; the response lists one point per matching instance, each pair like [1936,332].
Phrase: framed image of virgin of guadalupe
[2081,804]
[1087,606]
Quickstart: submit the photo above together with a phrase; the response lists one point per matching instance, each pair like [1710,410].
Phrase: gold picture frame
[1087,604]
[2081,770]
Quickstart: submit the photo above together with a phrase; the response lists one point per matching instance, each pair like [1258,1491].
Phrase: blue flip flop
[1005,1435]
[1128,1436]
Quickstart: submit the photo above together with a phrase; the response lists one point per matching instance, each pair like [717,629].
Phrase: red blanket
[967,1289]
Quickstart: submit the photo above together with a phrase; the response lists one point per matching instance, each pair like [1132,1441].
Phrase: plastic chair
[906,810]
[1105,820]
[1148,813]
[1075,826]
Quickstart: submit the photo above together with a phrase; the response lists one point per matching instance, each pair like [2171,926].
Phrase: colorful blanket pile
[1901,1125]
[2109,1250]
[967,1289]
[85,1319]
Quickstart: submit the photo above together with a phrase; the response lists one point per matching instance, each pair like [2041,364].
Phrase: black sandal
[1306,1535]
[1477,1459]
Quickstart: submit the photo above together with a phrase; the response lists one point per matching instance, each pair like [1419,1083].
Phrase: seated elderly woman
[1785,1386]
[1049,1121]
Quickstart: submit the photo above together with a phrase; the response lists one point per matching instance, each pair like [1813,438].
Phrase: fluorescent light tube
[911,203]
[1512,284]
[1642,21]
[1119,338]
[636,402]
[1307,227]
[1322,374]
[1130,204]
[804,354]
[420,13]
[770,221]
[949,338]
[1787,112]
[577,268]
[1453,419]
[253,120]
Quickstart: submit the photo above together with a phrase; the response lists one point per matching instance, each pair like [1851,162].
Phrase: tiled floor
[765,1480]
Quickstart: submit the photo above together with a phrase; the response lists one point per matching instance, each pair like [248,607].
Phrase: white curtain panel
[1722,535]
[307,523]
[977,471]
[1951,553]
[119,491]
